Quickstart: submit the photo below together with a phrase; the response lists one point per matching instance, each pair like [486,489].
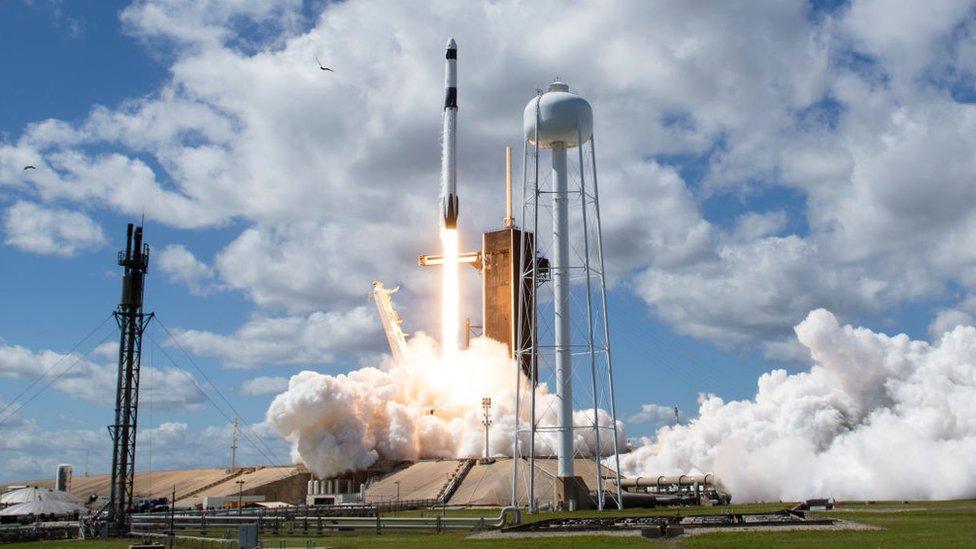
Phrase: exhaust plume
[422,408]
[876,417]
[450,295]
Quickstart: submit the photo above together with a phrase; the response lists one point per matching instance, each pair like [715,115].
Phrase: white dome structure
[564,118]
[39,501]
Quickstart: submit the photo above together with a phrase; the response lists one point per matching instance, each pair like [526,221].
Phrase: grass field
[913,524]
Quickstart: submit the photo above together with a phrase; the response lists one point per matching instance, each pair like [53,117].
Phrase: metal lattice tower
[132,323]
[567,341]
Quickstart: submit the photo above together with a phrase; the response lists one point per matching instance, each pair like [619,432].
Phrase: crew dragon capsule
[449,196]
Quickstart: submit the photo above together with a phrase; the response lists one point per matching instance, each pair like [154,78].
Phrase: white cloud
[205,23]
[654,416]
[331,175]
[50,231]
[180,265]
[962,314]
[315,339]
[78,377]
[264,385]
[947,319]
[751,290]
[32,452]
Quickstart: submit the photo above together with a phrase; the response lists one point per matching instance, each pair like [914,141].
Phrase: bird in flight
[323,67]
[29,168]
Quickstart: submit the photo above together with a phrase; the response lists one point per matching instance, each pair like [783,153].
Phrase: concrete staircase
[464,467]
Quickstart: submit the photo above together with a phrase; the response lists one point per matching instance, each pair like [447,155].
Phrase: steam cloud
[423,409]
[876,417]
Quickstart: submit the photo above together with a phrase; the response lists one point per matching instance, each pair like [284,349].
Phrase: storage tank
[62,482]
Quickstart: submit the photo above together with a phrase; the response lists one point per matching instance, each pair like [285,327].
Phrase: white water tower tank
[560,112]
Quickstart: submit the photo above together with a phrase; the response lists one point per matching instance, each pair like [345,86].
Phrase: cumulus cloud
[654,416]
[50,231]
[205,23]
[33,452]
[315,339]
[830,431]
[79,377]
[264,385]
[848,113]
[227,140]
[180,265]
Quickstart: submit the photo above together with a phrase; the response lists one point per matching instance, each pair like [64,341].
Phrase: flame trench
[450,295]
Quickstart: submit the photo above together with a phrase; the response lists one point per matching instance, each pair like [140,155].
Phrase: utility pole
[172,518]
[132,323]
[240,497]
[397,482]
[233,447]
[486,421]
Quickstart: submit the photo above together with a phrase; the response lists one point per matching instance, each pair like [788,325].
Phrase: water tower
[568,342]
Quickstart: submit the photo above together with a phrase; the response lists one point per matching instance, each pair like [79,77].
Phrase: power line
[213,403]
[212,384]
[247,437]
[51,367]
[52,381]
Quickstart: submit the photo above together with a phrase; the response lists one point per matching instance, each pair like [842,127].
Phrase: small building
[334,491]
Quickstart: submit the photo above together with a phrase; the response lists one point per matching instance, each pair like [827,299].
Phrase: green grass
[915,524]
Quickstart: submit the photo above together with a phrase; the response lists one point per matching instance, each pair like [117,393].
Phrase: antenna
[508,188]
[677,420]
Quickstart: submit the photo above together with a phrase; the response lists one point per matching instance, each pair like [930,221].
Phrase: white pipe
[563,335]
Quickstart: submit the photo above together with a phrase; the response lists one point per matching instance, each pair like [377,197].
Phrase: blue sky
[272,194]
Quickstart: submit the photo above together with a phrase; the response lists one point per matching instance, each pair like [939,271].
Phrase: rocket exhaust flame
[450,296]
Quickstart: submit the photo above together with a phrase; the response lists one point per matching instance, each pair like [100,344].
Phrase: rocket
[449,196]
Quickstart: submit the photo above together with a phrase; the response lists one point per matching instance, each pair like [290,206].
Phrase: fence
[38,532]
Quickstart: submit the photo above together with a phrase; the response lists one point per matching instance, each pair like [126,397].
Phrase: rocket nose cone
[451,44]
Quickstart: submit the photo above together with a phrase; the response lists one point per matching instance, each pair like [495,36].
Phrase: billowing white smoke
[425,408]
[876,417]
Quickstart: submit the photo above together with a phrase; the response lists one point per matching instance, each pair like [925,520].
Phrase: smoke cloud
[876,417]
[425,408]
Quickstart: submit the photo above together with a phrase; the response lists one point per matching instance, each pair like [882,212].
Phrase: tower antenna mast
[233,447]
[132,322]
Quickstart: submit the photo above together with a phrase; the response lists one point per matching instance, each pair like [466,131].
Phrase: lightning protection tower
[568,342]
[132,322]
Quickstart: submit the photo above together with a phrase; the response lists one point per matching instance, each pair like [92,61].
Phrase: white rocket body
[449,196]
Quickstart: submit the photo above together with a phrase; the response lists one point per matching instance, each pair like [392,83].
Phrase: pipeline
[660,481]
[506,516]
